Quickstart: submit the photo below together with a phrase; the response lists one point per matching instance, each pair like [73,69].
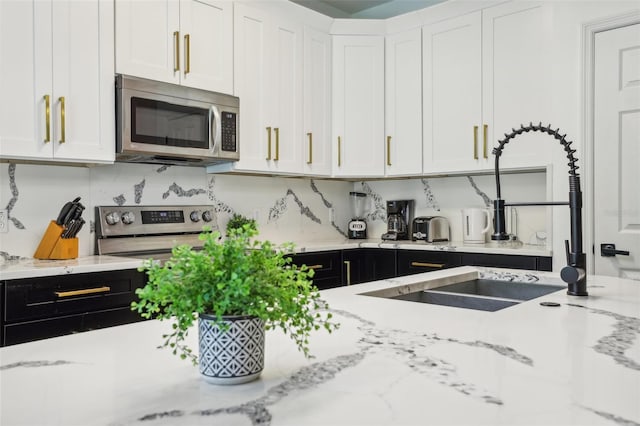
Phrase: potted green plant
[238,221]
[236,288]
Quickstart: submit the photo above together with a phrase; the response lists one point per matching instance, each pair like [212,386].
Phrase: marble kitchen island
[392,362]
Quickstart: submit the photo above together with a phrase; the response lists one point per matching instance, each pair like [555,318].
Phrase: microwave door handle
[216,126]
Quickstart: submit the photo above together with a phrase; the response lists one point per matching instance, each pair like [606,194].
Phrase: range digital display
[162,216]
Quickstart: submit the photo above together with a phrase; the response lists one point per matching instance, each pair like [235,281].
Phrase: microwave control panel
[229,131]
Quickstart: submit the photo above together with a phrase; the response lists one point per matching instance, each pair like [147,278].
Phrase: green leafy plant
[234,276]
[238,221]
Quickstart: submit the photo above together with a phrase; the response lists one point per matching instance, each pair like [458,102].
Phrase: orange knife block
[53,247]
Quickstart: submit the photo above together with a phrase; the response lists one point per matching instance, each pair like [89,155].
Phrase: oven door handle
[216,127]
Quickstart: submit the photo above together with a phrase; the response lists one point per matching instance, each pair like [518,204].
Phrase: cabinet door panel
[317,102]
[358,105]
[209,25]
[452,94]
[83,77]
[403,103]
[145,39]
[417,261]
[25,78]
[516,76]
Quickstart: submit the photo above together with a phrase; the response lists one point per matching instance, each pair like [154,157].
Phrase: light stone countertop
[392,362]
[31,268]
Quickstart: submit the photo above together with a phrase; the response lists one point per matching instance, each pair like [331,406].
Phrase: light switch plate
[4,221]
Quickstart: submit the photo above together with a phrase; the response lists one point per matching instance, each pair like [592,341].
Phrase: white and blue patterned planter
[233,356]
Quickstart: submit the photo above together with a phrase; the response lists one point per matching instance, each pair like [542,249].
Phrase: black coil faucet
[574,274]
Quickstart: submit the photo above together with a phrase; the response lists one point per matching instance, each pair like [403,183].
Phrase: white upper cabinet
[516,80]
[452,67]
[358,106]
[184,42]
[403,103]
[268,81]
[317,103]
[484,73]
[56,80]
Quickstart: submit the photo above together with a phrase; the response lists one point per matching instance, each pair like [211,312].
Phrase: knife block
[53,247]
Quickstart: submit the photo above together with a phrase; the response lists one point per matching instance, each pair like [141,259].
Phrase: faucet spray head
[499,222]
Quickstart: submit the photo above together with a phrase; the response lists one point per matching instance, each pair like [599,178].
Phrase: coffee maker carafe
[399,217]
[357,225]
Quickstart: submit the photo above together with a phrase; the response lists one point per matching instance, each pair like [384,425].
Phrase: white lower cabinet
[56,80]
[403,103]
[484,73]
[358,106]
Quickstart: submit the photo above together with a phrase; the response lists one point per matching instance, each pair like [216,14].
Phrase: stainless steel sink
[502,289]
[457,300]
[468,291]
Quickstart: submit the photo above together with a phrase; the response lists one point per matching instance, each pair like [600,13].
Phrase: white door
[617,150]
[403,103]
[83,81]
[25,80]
[452,69]
[358,105]
[148,39]
[207,43]
[317,102]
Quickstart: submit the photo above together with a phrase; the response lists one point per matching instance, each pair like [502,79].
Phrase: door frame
[589,31]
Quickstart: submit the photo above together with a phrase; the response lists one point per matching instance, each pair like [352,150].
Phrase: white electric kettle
[476,224]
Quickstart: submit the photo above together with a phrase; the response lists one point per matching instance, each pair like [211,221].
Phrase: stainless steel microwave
[166,123]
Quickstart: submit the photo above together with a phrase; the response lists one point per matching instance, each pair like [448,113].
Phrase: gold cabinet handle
[427,264]
[388,150]
[348,265]
[62,120]
[484,138]
[176,51]
[187,54]
[47,118]
[475,142]
[310,136]
[102,289]
[315,267]
[277,132]
[339,151]
[268,143]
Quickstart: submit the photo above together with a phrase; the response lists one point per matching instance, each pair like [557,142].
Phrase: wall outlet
[4,221]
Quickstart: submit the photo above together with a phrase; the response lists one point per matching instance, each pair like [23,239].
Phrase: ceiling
[365,9]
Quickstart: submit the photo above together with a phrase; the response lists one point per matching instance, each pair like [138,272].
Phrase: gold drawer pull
[484,135]
[388,150]
[428,265]
[47,115]
[475,142]
[63,137]
[187,53]
[276,130]
[348,265]
[102,289]
[339,153]
[315,267]
[310,135]
[268,143]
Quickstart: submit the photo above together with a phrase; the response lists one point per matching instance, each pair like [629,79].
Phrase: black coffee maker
[399,217]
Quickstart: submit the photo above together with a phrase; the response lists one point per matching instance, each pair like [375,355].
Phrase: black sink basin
[457,300]
[502,289]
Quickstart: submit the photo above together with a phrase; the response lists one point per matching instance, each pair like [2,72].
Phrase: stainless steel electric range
[149,231]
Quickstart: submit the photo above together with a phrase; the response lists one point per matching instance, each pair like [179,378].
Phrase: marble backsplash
[287,209]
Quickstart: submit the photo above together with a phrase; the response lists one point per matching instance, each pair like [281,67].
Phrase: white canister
[476,224]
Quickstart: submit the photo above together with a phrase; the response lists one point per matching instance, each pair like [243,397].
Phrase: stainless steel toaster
[431,229]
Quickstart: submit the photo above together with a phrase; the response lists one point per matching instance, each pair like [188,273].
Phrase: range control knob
[128,218]
[194,216]
[206,216]
[112,218]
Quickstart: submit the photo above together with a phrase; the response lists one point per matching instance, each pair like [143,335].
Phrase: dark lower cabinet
[364,265]
[535,263]
[327,266]
[38,308]
[417,261]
